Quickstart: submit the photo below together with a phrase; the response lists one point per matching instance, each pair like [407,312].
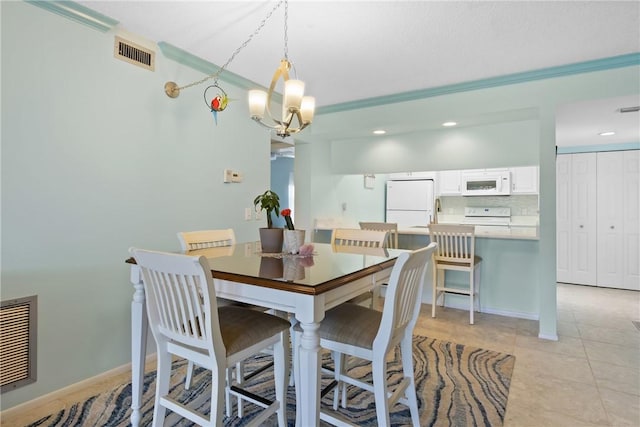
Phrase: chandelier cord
[286,37]
[216,75]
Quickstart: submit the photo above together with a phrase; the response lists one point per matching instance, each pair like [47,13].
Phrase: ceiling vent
[134,54]
[629,109]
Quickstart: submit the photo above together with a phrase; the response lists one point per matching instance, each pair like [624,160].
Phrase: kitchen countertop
[484,231]
[521,230]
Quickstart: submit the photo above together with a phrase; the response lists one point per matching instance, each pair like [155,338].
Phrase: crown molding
[527,76]
[599,147]
[78,13]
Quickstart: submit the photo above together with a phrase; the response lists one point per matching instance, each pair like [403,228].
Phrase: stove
[497,217]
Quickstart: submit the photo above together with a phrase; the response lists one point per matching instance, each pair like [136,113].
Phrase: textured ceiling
[353,50]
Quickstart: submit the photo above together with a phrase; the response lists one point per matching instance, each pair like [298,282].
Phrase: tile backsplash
[521,205]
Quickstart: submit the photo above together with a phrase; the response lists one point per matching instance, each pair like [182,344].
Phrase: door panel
[610,223]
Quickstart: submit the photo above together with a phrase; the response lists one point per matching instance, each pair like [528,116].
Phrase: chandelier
[297,109]
[294,104]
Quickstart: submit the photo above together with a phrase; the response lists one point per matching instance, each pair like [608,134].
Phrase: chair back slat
[181,302]
[403,298]
[390,227]
[193,240]
[456,243]
[358,238]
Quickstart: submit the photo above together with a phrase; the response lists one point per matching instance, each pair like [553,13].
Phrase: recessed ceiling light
[449,124]
[379,132]
[606,133]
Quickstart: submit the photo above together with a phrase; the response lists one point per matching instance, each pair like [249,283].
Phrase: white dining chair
[208,239]
[391,242]
[356,239]
[359,238]
[390,227]
[456,252]
[377,335]
[186,322]
[203,239]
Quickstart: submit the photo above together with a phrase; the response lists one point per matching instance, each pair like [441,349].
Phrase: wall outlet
[236,176]
[247,214]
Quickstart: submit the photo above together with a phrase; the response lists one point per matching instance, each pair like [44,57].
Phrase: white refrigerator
[410,202]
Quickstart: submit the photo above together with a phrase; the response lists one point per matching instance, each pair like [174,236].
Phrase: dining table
[305,286]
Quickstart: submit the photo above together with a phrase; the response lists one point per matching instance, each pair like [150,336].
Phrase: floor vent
[134,54]
[18,321]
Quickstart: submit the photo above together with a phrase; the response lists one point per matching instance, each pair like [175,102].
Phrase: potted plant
[270,238]
[269,202]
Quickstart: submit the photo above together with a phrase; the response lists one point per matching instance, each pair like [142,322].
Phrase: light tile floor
[589,377]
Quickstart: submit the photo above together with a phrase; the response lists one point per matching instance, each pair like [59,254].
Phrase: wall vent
[630,109]
[18,321]
[134,54]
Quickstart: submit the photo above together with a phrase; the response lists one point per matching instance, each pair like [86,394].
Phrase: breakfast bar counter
[508,274]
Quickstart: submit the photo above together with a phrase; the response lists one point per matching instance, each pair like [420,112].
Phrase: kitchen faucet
[436,209]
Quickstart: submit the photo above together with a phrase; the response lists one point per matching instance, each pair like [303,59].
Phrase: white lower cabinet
[598,206]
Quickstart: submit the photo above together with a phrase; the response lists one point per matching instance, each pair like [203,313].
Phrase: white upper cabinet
[449,183]
[524,180]
[412,175]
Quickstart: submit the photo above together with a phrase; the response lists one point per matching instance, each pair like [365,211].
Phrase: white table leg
[139,331]
[308,405]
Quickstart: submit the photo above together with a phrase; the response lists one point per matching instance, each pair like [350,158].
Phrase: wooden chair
[376,336]
[208,239]
[359,238]
[186,322]
[456,251]
[192,240]
[391,242]
[390,227]
[354,239]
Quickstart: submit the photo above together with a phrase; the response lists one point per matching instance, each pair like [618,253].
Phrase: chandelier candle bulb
[257,103]
[293,92]
[307,108]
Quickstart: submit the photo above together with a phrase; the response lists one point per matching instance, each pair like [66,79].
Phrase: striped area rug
[457,386]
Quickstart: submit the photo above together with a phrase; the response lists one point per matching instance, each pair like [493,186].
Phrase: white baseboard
[426,299]
[548,337]
[516,314]
[73,388]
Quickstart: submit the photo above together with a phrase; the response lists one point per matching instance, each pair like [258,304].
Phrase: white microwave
[486,183]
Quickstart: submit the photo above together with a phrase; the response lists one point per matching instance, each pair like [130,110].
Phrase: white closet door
[583,219]
[563,218]
[611,214]
[631,220]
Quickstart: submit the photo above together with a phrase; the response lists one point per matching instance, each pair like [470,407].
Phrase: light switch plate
[228,176]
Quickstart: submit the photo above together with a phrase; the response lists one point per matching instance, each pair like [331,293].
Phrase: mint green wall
[95,159]
[527,107]
[482,145]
